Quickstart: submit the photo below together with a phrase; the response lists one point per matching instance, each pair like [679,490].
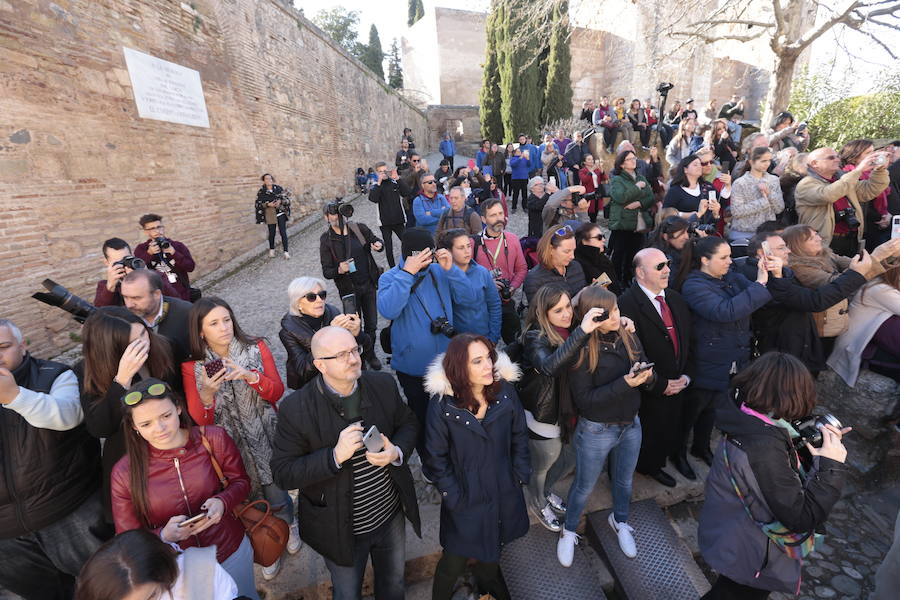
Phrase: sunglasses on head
[157,390]
[311,297]
[563,231]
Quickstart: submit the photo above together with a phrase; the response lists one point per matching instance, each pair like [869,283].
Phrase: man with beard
[142,292]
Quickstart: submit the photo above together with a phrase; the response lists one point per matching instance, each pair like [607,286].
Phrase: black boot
[682,465]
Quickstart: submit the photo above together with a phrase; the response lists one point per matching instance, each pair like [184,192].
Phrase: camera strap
[480,243]
[436,291]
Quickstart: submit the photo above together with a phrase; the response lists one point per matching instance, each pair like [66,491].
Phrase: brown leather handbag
[268,534]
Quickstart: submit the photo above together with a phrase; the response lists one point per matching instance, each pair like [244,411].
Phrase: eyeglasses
[157,390]
[563,231]
[345,355]
[662,265]
[705,163]
[311,297]
[599,236]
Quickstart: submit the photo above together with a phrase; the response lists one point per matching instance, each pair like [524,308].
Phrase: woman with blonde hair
[557,264]
[684,142]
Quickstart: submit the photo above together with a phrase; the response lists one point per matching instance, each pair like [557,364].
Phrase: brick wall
[77,165]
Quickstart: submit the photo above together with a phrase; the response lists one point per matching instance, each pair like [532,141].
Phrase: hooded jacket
[479,467]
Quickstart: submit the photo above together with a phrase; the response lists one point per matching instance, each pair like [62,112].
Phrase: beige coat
[814,198]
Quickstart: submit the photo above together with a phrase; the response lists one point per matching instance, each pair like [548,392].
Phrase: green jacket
[624,191]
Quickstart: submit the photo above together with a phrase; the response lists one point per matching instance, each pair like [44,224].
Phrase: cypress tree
[416,11]
[489,110]
[521,92]
[558,90]
[373,55]
[395,72]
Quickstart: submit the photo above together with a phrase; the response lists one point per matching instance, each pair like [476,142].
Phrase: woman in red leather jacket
[167,477]
[594,179]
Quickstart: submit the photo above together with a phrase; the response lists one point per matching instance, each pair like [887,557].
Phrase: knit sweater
[749,207]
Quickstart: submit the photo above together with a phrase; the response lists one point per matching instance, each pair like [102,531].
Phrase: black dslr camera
[163,243]
[339,207]
[442,325]
[59,296]
[808,428]
[707,228]
[664,87]
[578,196]
[848,216]
[505,287]
[132,262]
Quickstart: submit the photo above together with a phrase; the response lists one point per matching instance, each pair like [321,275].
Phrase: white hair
[298,288]
[17,333]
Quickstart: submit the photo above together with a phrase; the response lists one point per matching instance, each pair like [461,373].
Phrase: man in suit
[142,293]
[663,323]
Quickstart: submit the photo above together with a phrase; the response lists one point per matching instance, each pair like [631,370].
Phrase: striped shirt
[375,498]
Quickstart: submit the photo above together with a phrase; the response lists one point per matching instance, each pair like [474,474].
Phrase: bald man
[355,490]
[822,192]
[663,323]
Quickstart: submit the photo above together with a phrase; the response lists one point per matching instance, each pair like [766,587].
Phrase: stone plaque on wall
[166,91]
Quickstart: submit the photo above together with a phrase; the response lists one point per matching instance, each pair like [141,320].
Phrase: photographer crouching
[775,477]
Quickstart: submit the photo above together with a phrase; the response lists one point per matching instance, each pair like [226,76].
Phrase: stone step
[663,569]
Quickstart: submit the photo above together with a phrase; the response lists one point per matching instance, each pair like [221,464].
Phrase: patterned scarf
[248,419]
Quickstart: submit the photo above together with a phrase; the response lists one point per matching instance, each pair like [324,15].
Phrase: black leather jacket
[296,335]
[542,366]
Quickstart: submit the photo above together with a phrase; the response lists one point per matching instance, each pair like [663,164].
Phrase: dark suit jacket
[174,327]
[635,304]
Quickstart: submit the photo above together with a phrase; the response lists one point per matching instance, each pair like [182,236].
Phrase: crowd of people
[528,364]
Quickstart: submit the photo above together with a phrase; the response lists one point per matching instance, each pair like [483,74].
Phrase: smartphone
[601,317]
[372,440]
[895,226]
[712,196]
[213,367]
[195,519]
[602,280]
[553,181]
[351,265]
[349,304]
[471,163]
[767,250]
[646,367]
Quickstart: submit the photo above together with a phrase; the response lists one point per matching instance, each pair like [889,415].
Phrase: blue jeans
[240,566]
[593,442]
[387,546]
[278,497]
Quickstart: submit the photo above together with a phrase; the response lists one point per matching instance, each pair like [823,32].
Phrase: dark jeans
[726,589]
[487,575]
[699,415]
[387,547]
[845,246]
[665,133]
[366,304]
[387,237]
[644,135]
[507,183]
[511,325]
[417,400]
[43,565]
[661,418]
[518,189]
[282,229]
[609,136]
[623,245]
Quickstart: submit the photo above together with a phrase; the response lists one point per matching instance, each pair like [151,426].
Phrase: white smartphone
[895,226]
[766,249]
[712,196]
[372,440]
[553,181]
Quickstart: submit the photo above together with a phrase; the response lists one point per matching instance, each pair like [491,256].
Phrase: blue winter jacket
[720,333]
[412,343]
[480,157]
[436,206]
[447,147]
[520,167]
[534,154]
[482,316]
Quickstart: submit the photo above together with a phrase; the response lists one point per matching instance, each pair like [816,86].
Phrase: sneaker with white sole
[547,518]
[556,503]
[565,547]
[270,572]
[271,254]
[294,542]
[626,540]
[287,256]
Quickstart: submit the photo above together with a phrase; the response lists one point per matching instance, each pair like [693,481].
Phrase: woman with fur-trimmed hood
[477,455]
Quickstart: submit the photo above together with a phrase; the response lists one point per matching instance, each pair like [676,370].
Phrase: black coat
[786,323]
[44,474]
[276,193]
[543,367]
[649,327]
[479,467]
[389,198]
[333,250]
[594,263]
[573,280]
[296,335]
[309,423]
[174,327]
[535,206]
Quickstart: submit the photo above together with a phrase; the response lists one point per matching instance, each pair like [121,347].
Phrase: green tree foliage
[373,55]
[489,97]
[558,89]
[521,93]
[416,11]
[341,25]
[834,118]
[395,72]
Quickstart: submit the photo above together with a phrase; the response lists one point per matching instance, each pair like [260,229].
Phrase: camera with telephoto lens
[442,325]
[505,289]
[848,216]
[131,262]
[707,228]
[578,196]
[339,207]
[163,243]
[664,87]
[59,296]
[808,429]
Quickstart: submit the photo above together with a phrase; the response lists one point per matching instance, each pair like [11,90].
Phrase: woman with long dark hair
[273,207]
[691,196]
[673,237]
[137,564]
[605,380]
[477,455]
[167,477]
[757,484]
[629,218]
[232,381]
[119,350]
[590,246]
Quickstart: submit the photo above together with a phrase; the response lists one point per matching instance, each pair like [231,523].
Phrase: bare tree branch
[880,43]
[816,32]
[710,39]
[779,15]
[883,24]
[732,22]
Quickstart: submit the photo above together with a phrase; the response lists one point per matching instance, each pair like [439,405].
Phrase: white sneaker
[269,573]
[547,518]
[565,547]
[271,254]
[287,255]
[626,540]
[556,503]
[294,542]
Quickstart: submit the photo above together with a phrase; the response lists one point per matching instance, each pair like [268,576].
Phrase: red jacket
[269,387]
[190,465]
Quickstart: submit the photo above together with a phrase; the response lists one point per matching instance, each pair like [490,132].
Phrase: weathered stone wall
[461,122]
[77,165]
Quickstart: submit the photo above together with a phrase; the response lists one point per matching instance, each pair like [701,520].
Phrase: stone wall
[77,165]
[461,121]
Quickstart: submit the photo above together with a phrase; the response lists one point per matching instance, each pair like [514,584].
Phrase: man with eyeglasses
[663,323]
[429,206]
[172,259]
[356,491]
[817,193]
[50,512]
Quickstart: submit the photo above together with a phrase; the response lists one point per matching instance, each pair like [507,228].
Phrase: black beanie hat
[415,238]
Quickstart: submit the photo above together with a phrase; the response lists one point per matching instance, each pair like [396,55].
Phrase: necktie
[668,322]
